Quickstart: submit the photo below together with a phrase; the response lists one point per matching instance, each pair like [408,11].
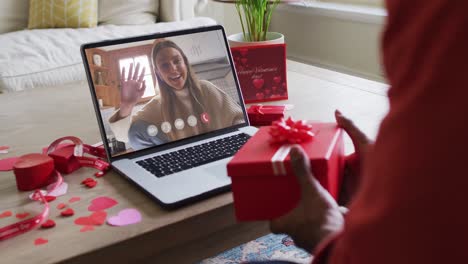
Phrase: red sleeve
[412,205]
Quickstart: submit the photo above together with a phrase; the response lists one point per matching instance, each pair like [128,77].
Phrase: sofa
[35,58]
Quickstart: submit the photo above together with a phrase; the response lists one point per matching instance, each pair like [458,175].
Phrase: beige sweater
[222,110]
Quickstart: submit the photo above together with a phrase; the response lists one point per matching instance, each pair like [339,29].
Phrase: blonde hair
[168,96]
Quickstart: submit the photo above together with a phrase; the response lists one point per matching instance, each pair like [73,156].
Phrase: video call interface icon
[179,124]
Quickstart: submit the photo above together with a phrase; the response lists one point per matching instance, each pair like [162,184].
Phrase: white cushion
[13,15]
[128,12]
[43,57]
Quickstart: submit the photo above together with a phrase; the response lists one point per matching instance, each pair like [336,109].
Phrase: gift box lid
[65,152]
[255,157]
[265,114]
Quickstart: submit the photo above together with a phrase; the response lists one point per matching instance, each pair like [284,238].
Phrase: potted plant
[255,17]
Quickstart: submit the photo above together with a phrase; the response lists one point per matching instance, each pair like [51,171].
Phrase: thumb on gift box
[359,139]
[352,174]
[310,187]
[316,215]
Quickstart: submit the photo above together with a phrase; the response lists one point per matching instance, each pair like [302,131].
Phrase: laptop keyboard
[191,157]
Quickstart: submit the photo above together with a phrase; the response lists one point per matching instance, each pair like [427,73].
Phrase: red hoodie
[413,203]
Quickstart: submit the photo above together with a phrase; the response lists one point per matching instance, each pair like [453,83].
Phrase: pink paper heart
[102,203]
[59,191]
[260,96]
[7,164]
[258,83]
[125,217]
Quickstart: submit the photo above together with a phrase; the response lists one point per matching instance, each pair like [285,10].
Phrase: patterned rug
[269,247]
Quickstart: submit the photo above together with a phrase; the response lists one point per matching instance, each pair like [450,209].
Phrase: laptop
[170,111]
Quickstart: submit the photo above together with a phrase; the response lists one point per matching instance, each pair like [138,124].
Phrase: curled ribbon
[28,224]
[290,132]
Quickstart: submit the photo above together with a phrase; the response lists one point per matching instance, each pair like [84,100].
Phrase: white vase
[237,40]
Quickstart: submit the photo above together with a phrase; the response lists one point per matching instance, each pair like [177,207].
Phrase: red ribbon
[28,224]
[257,109]
[290,131]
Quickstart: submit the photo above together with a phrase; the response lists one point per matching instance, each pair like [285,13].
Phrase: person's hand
[132,89]
[352,174]
[317,214]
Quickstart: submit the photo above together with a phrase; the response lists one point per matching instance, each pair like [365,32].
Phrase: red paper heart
[22,215]
[40,241]
[102,203]
[74,199]
[99,217]
[49,198]
[267,92]
[60,206]
[283,85]
[87,180]
[68,212]
[99,174]
[6,214]
[96,218]
[277,79]
[87,228]
[48,224]
[244,61]
[91,184]
[258,83]
[274,88]
[84,220]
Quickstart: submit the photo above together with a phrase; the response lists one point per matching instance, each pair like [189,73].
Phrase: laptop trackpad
[218,170]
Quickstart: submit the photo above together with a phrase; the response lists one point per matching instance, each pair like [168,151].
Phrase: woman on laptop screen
[185,106]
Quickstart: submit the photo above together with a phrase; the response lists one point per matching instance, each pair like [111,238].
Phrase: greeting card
[262,72]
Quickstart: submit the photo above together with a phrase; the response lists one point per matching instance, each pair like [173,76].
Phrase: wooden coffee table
[32,119]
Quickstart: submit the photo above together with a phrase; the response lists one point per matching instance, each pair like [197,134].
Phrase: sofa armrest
[176,10]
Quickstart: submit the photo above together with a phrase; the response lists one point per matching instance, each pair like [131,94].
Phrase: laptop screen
[153,91]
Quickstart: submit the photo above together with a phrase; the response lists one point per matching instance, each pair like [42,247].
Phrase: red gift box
[263,191]
[264,115]
[65,160]
[261,71]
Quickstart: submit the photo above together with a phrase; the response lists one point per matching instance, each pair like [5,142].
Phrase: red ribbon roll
[33,171]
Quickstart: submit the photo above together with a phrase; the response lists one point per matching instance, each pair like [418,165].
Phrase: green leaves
[255,17]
